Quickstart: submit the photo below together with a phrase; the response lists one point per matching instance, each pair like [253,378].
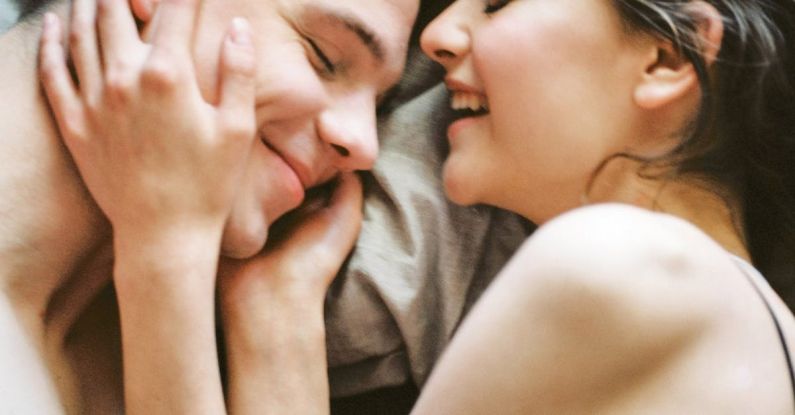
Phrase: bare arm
[571,325]
[272,309]
[163,165]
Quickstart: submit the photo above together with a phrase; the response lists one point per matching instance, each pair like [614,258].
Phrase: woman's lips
[459,125]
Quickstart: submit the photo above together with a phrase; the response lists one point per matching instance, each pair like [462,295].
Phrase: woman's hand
[272,309]
[163,165]
[152,152]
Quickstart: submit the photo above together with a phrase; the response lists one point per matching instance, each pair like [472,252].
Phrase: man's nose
[349,128]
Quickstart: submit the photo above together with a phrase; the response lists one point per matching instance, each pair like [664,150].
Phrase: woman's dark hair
[743,138]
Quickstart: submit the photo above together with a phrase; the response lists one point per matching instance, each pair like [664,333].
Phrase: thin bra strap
[778,329]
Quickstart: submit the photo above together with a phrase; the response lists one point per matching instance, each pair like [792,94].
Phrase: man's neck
[49,225]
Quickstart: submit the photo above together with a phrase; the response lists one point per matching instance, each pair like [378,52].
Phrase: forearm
[165,284]
[277,356]
[272,308]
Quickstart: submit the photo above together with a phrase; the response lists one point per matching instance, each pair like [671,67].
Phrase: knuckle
[49,68]
[122,64]
[118,87]
[237,128]
[72,125]
[160,73]
[79,30]
[241,63]
[104,7]
[326,259]
[92,104]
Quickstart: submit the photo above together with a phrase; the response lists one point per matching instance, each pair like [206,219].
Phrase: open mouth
[468,113]
[468,104]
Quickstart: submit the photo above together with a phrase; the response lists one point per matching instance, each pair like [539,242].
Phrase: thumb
[311,249]
[322,241]
[331,231]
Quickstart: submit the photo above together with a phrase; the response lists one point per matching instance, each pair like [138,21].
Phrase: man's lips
[290,179]
[300,169]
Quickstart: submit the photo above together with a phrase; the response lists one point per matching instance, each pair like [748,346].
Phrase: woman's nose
[446,39]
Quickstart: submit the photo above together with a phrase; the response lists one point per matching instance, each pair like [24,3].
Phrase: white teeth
[468,100]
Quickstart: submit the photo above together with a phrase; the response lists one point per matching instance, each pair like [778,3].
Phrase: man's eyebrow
[364,32]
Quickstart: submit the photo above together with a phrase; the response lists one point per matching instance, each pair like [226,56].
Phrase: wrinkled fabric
[420,262]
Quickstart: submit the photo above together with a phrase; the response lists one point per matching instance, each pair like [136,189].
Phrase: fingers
[175,22]
[58,85]
[118,33]
[309,255]
[83,45]
[237,71]
[329,234]
[345,210]
[143,9]
[346,203]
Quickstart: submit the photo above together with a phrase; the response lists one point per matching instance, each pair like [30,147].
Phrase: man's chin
[243,242]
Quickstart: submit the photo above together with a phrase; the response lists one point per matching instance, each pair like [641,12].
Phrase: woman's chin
[459,190]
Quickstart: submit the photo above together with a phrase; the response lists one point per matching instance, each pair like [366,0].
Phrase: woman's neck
[49,226]
[697,201]
[719,217]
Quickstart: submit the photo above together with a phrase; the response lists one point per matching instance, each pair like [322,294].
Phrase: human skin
[309,117]
[591,66]
[306,114]
[634,306]
[133,160]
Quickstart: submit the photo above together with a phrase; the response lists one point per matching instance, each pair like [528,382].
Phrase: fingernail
[240,31]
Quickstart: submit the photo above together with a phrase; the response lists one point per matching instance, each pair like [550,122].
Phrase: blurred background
[8,14]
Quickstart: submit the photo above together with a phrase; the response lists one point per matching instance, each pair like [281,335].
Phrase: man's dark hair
[28,7]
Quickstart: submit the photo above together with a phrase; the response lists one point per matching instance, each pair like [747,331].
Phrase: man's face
[323,65]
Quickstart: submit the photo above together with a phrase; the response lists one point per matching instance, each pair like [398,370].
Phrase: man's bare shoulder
[25,383]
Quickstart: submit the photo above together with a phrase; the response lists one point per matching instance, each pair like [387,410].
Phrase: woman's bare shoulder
[623,236]
[643,267]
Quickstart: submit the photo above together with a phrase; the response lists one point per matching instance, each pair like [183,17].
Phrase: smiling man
[322,67]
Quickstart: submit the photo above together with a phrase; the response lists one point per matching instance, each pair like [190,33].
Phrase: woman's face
[556,77]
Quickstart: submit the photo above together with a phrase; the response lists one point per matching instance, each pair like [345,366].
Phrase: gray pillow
[420,261]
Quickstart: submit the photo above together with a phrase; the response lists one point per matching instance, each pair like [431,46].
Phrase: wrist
[273,328]
[176,252]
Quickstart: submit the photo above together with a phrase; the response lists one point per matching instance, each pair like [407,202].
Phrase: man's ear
[668,74]
[143,9]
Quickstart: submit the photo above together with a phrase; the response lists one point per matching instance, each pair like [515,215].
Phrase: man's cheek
[206,59]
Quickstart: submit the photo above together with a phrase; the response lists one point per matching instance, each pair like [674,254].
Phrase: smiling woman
[653,141]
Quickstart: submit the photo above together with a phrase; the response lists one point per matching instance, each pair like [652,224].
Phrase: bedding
[420,261]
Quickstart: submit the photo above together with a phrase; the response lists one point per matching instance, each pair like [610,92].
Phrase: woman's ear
[144,9]
[668,74]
